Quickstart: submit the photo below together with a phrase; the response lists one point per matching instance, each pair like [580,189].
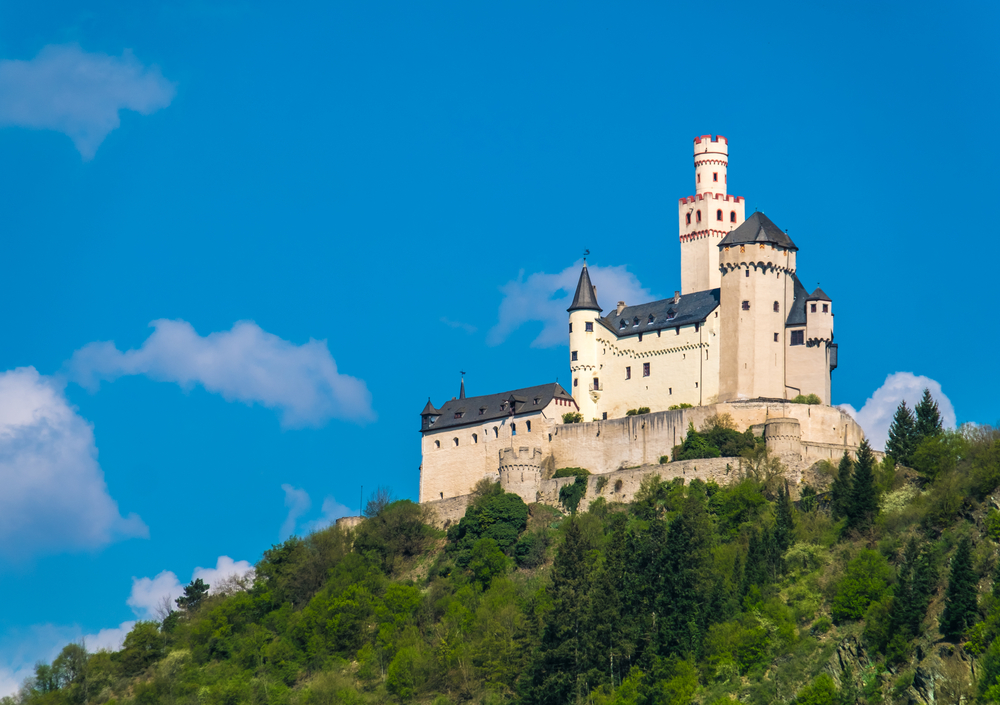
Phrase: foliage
[928,422]
[718,438]
[396,533]
[496,515]
[571,472]
[195,593]
[866,580]
[572,417]
[840,490]
[806,399]
[960,609]
[902,435]
[680,406]
[862,503]
[637,412]
[571,494]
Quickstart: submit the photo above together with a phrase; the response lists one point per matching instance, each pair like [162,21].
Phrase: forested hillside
[881,587]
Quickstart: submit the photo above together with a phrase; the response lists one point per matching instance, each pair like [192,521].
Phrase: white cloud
[53,496]
[545,297]
[108,639]
[468,328]
[298,503]
[150,596]
[79,94]
[245,364]
[875,416]
[332,510]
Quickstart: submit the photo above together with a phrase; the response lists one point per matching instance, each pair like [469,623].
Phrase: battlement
[711,197]
[520,456]
[707,143]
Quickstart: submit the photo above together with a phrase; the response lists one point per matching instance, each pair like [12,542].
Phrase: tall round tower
[757,261]
[706,217]
[583,314]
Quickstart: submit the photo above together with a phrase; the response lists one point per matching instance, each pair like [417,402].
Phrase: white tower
[583,315]
[705,218]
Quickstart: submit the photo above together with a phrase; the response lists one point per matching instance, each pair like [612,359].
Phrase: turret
[583,315]
[428,416]
[756,262]
[705,218]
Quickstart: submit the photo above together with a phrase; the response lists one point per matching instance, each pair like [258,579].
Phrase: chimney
[621,307]
[677,297]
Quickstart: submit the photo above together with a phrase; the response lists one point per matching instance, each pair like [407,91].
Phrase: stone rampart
[445,512]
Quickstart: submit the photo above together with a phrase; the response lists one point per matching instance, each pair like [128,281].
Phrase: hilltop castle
[742,336]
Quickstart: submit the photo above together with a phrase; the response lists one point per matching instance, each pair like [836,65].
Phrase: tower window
[455,441]
[576,382]
[777,308]
[798,337]
[776,337]
[645,369]
[732,216]
[715,177]
[573,356]
[527,425]
[689,219]
[698,179]
[812,308]
[475,438]
[746,305]
[597,383]
[696,327]
[678,329]
[826,308]
[628,373]
[570,327]
[718,215]
[746,272]
[588,327]
[513,429]
[437,444]
[697,216]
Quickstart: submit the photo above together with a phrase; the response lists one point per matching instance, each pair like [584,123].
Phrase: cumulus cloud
[332,510]
[245,364]
[108,639]
[79,94]
[152,598]
[53,496]
[545,297]
[875,416]
[298,503]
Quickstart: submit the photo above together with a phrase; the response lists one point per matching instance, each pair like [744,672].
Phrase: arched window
[455,441]
[437,444]
[777,308]
[475,438]
[715,177]
[496,432]
[513,429]
[732,216]
[528,425]
[689,219]
[718,215]
[697,216]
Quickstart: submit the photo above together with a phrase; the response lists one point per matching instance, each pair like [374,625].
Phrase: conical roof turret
[429,409]
[585,298]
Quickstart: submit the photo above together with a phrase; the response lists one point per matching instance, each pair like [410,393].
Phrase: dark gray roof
[797,315]
[818,295]
[692,308]
[429,409]
[496,406]
[758,228]
[461,392]
[585,298]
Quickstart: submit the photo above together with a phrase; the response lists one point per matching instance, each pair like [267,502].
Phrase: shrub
[806,399]
[397,531]
[486,561]
[496,515]
[572,417]
[601,483]
[664,459]
[680,406]
[570,495]
[866,580]
[531,549]
[694,447]
[637,412]
[571,472]
[822,691]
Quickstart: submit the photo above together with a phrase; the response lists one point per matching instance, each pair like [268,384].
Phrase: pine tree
[863,502]
[902,435]
[840,491]
[960,599]
[784,524]
[928,418]
[195,593]
[996,581]
[914,584]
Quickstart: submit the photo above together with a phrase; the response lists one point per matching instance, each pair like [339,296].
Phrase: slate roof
[797,315]
[692,308]
[818,295]
[758,228]
[429,409]
[585,299]
[494,406]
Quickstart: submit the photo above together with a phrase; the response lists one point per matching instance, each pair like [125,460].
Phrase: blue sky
[245,242]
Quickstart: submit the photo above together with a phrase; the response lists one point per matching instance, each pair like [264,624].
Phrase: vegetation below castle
[692,593]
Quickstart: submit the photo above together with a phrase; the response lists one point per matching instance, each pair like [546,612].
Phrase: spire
[461,392]
[586,297]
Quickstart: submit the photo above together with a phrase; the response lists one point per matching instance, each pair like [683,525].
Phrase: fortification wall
[445,512]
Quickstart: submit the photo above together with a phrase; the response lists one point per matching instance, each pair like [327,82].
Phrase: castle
[742,336]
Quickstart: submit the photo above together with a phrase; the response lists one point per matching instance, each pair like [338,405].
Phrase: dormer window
[635,321]
[459,414]
[651,319]
[622,324]
[671,315]
[537,399]
[482,410]
[503,406]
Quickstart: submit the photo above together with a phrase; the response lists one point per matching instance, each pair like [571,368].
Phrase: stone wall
[445,512]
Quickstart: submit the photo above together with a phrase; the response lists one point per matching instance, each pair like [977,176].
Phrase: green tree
[902,435]
[928,417]
[784,522]
[840,491]
[862,505]
[960,599]
[695,446]
[866,580]
[195,593]
[486,562]
[143,646]
[822,691]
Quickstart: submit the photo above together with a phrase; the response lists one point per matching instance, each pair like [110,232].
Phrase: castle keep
[741,336]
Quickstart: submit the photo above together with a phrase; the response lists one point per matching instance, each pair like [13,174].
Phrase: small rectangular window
[628,373]
[670,390]
[604,416]
[570,327]
[798,337]
[826,308]
[746,305]
[776,337]
[746,272]
[777,308]
[576,382]
[715,176]
[588,327]
[597,383]
[645,369]
[812,308]
[678,329]
[573,356]
[696,327]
